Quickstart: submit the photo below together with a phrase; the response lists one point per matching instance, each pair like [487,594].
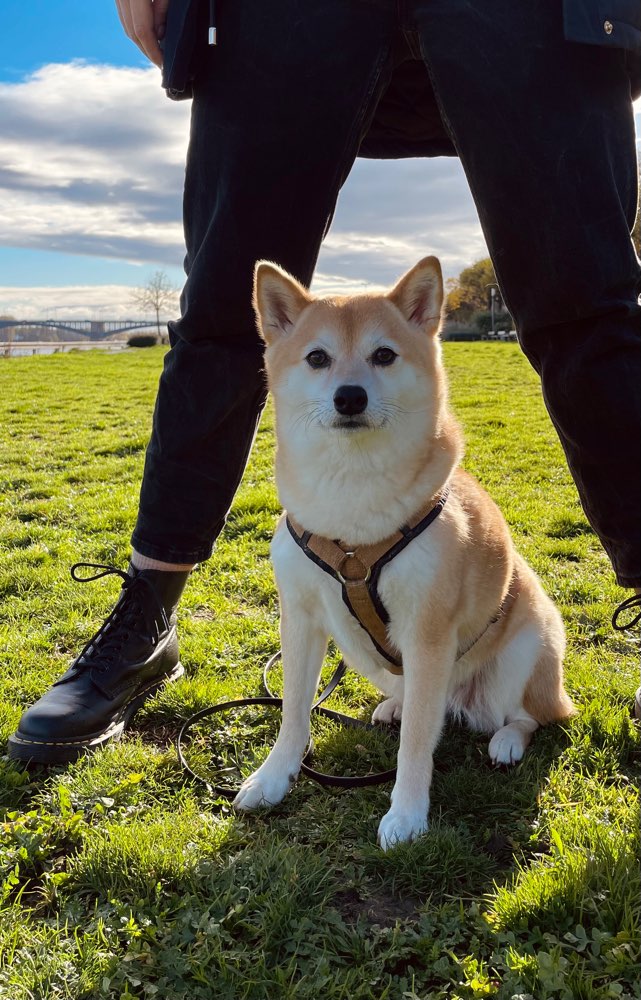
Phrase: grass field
[119,879]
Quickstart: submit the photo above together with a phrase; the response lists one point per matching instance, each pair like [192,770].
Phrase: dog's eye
[383,356]
[318,359]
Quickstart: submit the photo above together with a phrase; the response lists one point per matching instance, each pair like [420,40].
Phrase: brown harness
[358,568]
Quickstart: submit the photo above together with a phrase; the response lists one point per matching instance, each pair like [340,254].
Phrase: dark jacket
[407,121]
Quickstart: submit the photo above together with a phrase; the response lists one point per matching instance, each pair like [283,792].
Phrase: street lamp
[493,290]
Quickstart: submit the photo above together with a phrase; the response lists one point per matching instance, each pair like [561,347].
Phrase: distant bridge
[92,329]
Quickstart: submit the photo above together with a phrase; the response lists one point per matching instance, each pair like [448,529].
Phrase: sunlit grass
[119,879]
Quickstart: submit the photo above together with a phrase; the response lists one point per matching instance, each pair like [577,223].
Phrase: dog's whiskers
[311,411]
[389,406]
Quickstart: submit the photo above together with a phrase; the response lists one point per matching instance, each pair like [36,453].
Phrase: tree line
[469,299]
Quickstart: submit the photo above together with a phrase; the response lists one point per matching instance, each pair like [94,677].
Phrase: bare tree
[7,335]
[157,296]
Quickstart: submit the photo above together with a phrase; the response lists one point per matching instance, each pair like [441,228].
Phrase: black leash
[271,701]
[628,614]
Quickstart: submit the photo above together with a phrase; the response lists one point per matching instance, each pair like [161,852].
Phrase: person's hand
[144,22]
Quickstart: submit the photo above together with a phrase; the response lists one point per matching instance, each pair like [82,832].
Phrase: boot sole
[66,751]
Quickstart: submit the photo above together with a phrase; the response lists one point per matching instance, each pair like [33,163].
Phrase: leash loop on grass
[628,614]
[270,700]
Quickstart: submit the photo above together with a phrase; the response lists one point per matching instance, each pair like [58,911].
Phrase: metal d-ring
[352,555]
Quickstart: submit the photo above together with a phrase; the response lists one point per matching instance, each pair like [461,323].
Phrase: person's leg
[545,132]
[278,115]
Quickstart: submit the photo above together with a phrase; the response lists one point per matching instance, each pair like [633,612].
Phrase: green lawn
[120,879]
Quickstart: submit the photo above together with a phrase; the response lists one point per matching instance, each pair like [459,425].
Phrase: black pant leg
[279,111]
[545,132]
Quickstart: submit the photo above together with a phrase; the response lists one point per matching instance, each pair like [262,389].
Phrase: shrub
[143,340]
[483,321]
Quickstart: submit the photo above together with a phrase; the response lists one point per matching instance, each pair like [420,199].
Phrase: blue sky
[91,170]
[35,32]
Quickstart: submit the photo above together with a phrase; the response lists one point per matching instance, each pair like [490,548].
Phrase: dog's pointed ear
[278,300]
[419,295]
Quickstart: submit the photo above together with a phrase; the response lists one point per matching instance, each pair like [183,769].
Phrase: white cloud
[69,302]
[92,163]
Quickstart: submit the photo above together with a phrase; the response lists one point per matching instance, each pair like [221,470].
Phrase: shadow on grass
[480,825]
[480,837]
[305,878]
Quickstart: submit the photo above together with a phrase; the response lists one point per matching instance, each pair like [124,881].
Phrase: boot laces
[130,616]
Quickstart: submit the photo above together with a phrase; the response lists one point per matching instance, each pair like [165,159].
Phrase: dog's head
[353,365]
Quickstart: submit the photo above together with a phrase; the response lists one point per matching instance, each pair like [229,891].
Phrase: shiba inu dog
[388,546]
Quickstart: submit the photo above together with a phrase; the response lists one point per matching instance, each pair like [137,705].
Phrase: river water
[19,350]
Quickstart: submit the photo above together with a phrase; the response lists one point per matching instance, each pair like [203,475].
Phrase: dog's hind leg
[526,690]
[389,710]
[503,693]
[509,743]
[303,645]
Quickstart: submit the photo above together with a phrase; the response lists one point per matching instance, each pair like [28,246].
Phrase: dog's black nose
[350,399]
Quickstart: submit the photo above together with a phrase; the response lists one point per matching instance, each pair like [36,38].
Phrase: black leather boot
[129,658]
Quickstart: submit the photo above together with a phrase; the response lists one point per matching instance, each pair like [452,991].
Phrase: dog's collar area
[357,568]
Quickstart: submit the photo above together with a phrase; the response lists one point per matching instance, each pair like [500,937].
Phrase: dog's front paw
[263,788]
[400,828]
[388,711]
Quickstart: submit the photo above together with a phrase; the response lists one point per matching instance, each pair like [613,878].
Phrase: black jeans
[544,129]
